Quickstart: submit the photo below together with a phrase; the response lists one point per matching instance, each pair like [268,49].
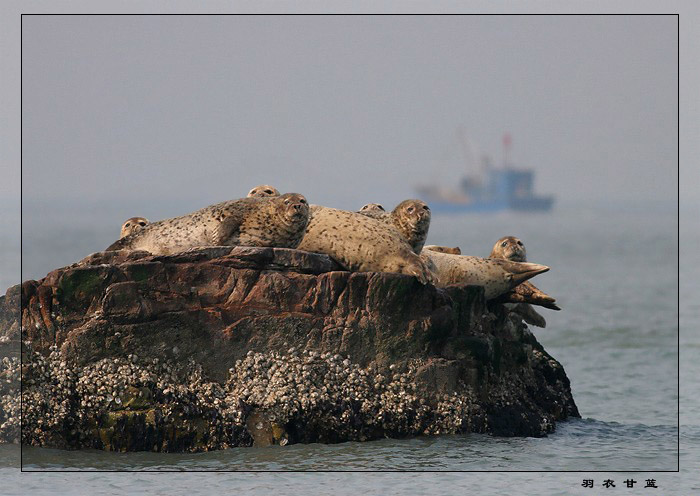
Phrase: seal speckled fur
[263,191]
[362,244]
[496,276]
[132,225]
[278,222]
[444,249]
[410,217]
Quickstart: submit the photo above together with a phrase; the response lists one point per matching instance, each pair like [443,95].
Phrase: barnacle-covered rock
[223,347]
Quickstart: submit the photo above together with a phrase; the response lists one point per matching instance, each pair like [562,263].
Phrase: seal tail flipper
[522,271]
[530,316]
[424,275]
[421,270]
[513,297]
[529,293]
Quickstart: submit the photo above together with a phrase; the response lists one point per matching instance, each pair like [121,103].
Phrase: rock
[243,346]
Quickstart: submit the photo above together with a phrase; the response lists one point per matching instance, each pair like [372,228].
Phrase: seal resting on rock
[361,244]
[132,225]
[496,276]
[444,249]
[527,294]
[263,191]
[410,217]
[277,222]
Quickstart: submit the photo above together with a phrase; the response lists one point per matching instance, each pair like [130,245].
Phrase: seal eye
[127,224]
[268,191]
[410,210]
[504,244]
[142,224]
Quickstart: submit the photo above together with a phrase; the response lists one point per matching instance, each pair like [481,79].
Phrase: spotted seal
[278,222]
[361,243]
[496,276]
[132,225]
[263,191]
[526,294]
[410,217]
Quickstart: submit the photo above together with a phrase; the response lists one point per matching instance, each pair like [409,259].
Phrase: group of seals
[278,221]
[505,280]
[371,240]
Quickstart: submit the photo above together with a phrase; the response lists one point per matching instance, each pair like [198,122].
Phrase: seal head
[509,248]
[263,191]
[293,209]
[372,207]
[412,219]
[375,211]
[132,225]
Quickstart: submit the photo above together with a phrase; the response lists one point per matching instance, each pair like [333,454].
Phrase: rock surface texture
[223,347]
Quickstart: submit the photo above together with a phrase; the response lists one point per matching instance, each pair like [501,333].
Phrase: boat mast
[468,152]
[507,142]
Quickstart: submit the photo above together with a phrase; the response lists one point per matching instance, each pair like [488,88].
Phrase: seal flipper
[513,297]
[529,293]
[529,315]
[227,232]
[520,271]
[117,245]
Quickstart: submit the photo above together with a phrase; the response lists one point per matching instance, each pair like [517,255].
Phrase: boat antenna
[507,142]
[467,146]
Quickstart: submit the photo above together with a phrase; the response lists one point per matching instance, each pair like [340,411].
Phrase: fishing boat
[494,189]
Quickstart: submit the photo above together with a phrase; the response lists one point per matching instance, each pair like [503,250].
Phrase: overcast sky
[346,110]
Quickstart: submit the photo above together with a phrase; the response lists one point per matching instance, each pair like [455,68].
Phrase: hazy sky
[346,110]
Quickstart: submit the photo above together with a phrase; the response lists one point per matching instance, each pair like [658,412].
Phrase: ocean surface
[615,275]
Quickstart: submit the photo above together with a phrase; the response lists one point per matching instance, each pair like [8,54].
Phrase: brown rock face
[230,346]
